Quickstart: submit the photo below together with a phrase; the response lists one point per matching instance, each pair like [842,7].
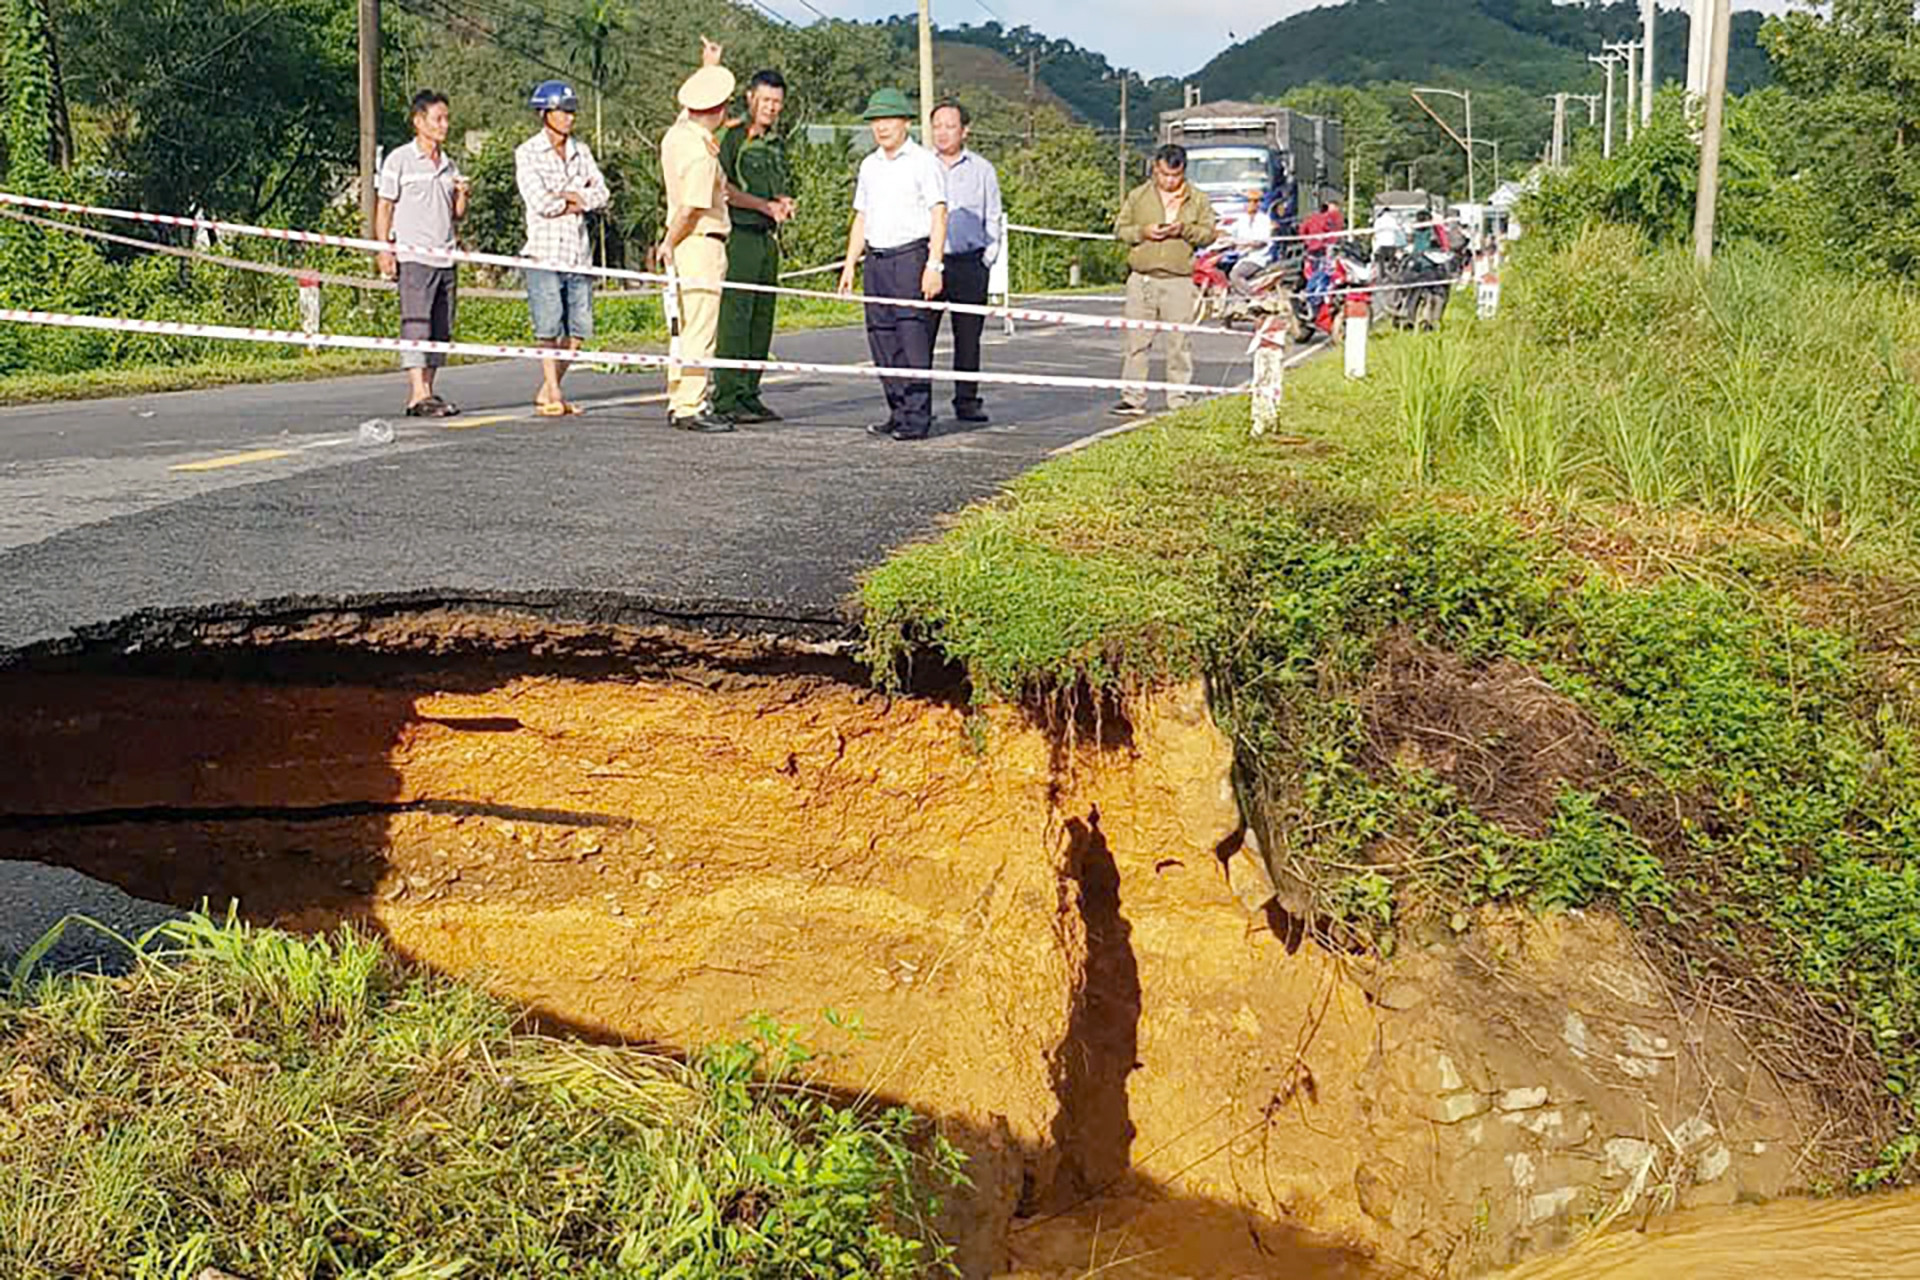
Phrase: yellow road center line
[233,460]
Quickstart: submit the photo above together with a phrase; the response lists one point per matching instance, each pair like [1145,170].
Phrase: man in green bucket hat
[900,227]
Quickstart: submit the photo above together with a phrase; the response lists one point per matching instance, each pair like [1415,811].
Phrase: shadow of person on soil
[1094,1130]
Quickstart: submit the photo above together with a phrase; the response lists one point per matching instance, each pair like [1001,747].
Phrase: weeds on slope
[274,1105]
[1599,627]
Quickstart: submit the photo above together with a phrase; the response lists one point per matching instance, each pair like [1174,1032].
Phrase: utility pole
[1699,38]
[926,74]
[1033,72]
[369,110]
[1557,153]
[1466,143]
[1703,209]
[1627,50]
[1124,77]
[1495,144]
[1609,61]
[1648,16]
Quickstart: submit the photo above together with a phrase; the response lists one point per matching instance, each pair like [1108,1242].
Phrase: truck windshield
[1246,170]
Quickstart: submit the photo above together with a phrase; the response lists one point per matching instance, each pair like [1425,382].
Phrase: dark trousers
[746,318]
[901,337]
[966,282]
[427,301]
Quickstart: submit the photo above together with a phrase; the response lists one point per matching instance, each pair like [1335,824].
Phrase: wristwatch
[941,267]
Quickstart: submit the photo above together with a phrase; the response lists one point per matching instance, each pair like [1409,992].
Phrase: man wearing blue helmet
[559,185]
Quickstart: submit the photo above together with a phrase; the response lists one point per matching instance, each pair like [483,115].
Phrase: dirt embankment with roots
[1057,942]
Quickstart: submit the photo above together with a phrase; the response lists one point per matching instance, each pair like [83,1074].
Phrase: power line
[777,17]
[990,13]
[502,11]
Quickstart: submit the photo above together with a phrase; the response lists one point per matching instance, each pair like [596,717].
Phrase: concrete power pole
[1703,209]
[1699,38]
[1609,61]
[926,74]
[1627,50]
[1648,15]
[1557,154]
[369,110]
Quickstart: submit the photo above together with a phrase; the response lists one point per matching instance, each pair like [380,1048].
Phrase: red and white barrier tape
[610,273]
[495,351]
[1329,236]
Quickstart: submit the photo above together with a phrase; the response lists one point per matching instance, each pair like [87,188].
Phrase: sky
[1152,37]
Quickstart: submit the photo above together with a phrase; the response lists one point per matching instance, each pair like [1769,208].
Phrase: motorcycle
[1416,286]
[1234,288]
[1309,289]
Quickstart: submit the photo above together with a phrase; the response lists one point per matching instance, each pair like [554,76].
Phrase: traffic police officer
[697,229]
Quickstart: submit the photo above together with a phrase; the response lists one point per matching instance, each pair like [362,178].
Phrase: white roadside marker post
[1359,313]
[310,310]
[1000,275]
[1269,372]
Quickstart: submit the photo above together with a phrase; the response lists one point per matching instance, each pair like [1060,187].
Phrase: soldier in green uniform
[755,163]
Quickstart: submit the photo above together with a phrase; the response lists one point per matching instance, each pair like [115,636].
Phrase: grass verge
[275,1106]
[151,366]
[1469,652]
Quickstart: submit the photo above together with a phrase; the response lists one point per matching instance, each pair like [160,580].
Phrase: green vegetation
[89,365]
[1606,602]
[158,89]
[273,1106]
[1356,61]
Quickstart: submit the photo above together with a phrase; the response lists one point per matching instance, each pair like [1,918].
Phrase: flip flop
[556,409]
[447,409]
[421,409]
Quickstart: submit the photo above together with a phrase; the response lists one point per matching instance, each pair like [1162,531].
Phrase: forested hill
[1530,44]
[1536,45]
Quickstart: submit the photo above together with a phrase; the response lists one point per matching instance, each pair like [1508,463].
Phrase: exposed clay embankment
[1040,933]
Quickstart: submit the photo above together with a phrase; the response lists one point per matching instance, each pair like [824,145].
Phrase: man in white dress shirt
[900,225]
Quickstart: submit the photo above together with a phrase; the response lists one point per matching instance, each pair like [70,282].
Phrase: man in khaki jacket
[697,227]
[1162,222]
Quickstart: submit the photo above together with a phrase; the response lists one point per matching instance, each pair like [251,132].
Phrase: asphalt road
[229,499]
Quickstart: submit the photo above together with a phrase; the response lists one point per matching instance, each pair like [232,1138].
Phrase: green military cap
[888,104]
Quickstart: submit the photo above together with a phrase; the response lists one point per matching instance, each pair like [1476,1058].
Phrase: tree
[244,108]
[1855,73]
[39,138]
[596,28]
[1650,183]
[1370,136]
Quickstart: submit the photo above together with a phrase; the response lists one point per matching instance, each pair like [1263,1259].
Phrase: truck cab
[1237,148]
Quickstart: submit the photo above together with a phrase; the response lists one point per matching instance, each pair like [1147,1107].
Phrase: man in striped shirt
[559,184]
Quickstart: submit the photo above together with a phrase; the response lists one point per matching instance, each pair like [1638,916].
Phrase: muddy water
[1866,1239]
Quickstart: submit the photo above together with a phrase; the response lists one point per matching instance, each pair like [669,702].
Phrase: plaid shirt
[544,178]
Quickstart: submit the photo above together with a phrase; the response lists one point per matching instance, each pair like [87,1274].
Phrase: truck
[1235,149]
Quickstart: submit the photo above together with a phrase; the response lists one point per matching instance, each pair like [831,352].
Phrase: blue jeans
[561,303]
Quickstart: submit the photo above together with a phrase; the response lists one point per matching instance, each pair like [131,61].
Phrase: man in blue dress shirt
[973,246]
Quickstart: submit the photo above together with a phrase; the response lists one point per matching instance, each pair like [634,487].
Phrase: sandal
[423,408]
[550,408]
[447,409]
[571,407]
